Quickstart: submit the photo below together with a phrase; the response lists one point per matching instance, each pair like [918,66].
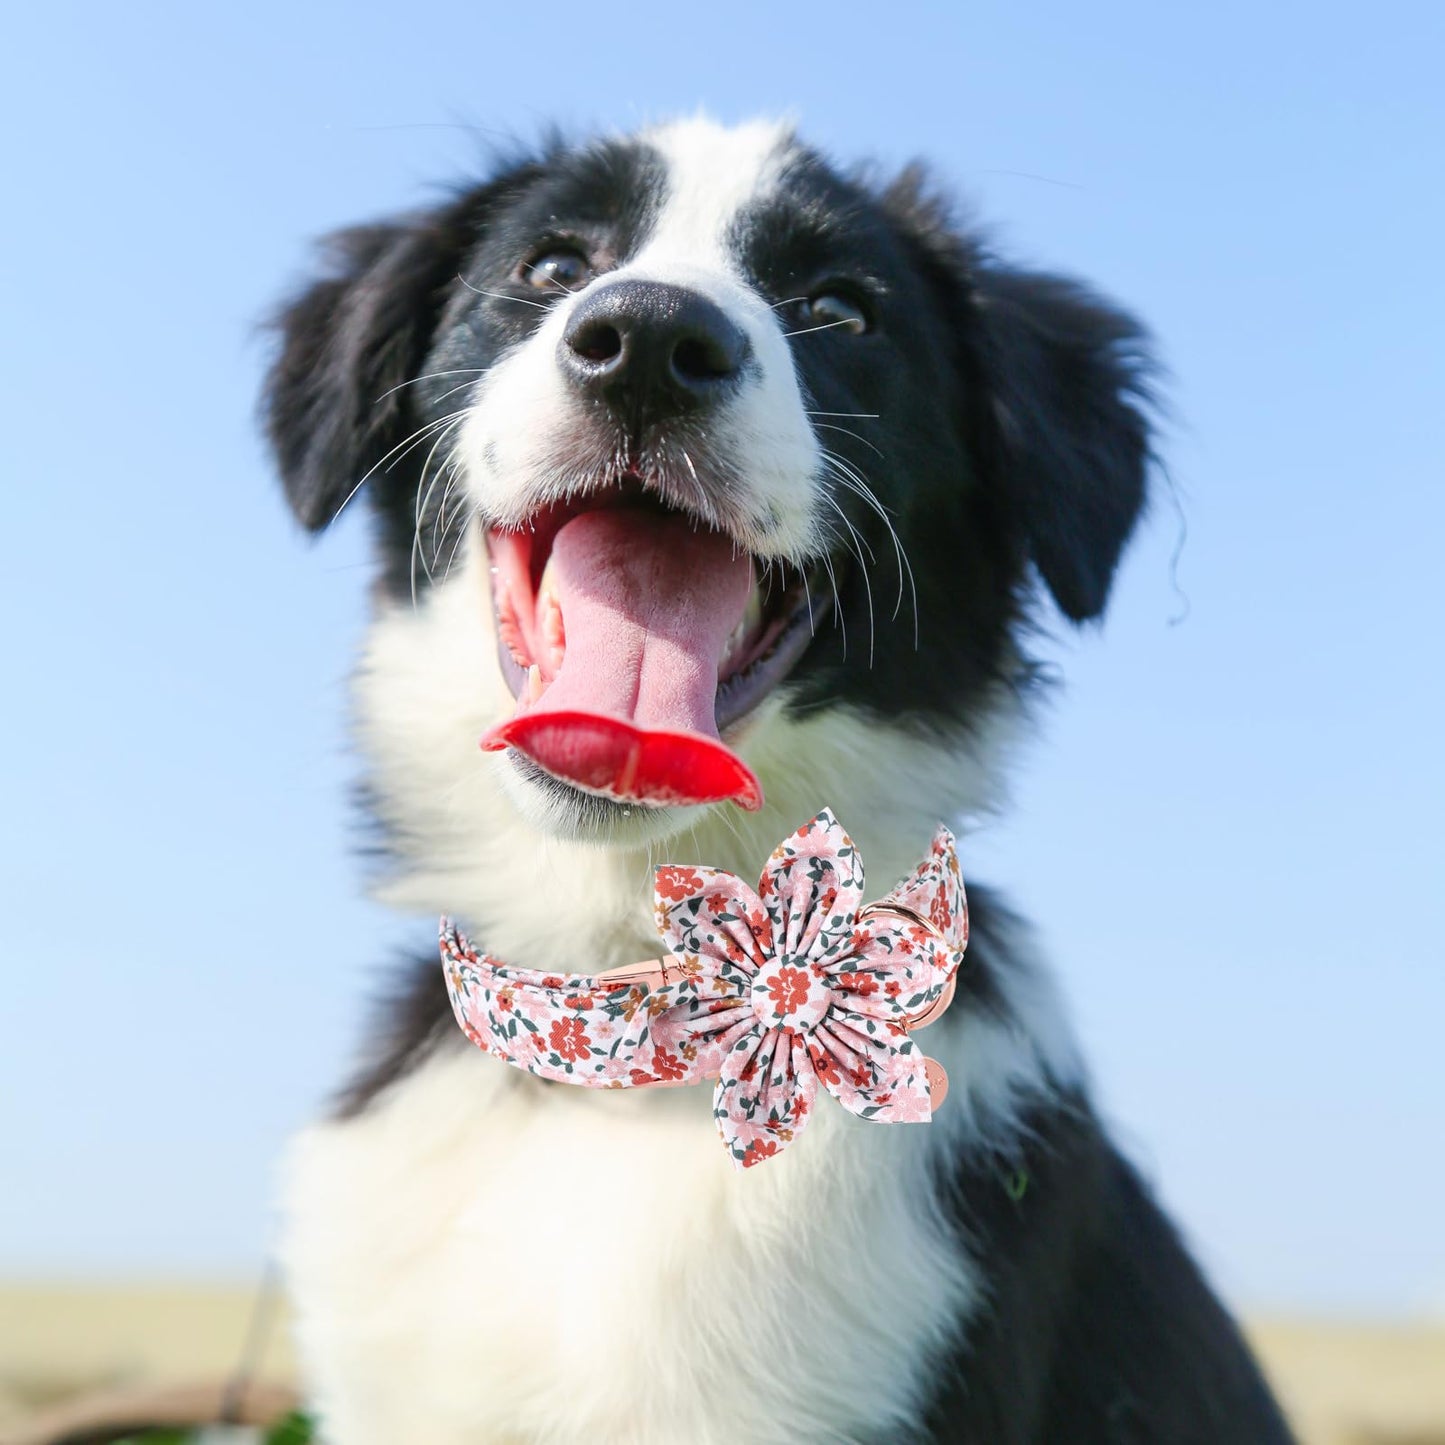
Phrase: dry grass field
[1343,1384]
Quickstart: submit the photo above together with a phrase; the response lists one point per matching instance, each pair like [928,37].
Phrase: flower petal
[872,1068]
[702,1029]
[934,890]
[708,914]
[765,1093]
[812,886]
[895,968]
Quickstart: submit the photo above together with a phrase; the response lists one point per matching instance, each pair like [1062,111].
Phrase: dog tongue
[648,603]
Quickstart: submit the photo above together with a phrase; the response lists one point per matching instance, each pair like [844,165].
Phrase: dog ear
[1063,437]
[1057,402]
[336,400]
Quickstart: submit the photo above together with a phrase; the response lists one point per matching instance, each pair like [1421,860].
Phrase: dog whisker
[385,460]
[550,280]
[424,491]
[825,426]
[430,376]
[502,295]
[453,471]
[461,386]
[822,326]
[857,548]
[850,478]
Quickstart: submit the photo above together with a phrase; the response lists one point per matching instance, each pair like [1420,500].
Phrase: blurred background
[1228,827]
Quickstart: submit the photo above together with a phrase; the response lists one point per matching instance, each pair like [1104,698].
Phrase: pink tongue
[647,605]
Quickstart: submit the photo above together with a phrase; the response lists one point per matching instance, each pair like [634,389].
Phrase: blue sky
[1228,828]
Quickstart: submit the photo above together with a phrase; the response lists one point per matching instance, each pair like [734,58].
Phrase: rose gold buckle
[899,911]
[937,1084]
[651,973]
[940,1005]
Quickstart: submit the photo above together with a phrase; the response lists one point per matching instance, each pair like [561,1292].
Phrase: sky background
[1229,826]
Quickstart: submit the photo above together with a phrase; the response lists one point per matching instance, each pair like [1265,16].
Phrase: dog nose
[652,350]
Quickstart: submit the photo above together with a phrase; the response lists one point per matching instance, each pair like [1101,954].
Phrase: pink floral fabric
[771,991]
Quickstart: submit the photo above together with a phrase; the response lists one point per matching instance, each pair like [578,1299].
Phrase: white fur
[713,171]
[480,1256]
[476,841]
[518,443]
[483,1257]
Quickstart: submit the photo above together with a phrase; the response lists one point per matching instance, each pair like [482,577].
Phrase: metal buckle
[940,1005]
[651,973]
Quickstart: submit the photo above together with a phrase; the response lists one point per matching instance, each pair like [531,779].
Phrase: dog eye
[832,308]
[562,269]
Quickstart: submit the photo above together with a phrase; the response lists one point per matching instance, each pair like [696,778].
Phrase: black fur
[1098,1329]
[1037,451]
[1000,417]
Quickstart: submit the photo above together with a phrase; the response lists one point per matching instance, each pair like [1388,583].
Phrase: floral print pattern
[769,991]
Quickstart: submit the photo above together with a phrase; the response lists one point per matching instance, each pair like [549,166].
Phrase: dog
[696,434]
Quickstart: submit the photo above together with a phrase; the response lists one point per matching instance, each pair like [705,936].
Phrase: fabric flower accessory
[769,991]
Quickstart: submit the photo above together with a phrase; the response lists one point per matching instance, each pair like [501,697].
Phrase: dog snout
[653,351]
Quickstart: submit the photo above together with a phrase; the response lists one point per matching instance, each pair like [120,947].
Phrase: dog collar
[769,992]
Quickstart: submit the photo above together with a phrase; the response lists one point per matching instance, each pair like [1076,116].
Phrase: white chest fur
[485,1257]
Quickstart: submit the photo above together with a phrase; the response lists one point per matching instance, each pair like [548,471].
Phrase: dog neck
[469,837]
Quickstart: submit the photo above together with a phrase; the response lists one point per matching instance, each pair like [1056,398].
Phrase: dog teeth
[551,633]
[534,683]
[747,628]
[753,613]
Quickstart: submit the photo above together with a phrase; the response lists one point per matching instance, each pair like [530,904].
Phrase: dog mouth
[632,634]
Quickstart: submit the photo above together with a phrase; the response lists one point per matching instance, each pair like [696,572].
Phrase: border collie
[609,372]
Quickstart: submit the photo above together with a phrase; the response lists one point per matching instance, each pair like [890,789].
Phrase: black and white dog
[707,342]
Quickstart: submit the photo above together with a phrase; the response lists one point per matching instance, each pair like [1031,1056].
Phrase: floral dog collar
[769,992]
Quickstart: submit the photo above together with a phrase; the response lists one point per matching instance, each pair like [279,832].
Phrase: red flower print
[675,884]
[666,1065]
[788,989]
[759,1150]
[754,1007]
[569,1040]
[825,1066]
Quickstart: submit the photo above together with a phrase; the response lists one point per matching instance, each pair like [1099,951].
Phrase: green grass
[295,1429]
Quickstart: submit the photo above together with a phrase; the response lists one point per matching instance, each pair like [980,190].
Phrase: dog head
[703,474]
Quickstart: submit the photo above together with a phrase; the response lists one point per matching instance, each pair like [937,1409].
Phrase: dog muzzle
[770,992]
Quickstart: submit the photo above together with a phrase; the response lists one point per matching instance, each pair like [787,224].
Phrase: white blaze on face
[521,440]
[713,173]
